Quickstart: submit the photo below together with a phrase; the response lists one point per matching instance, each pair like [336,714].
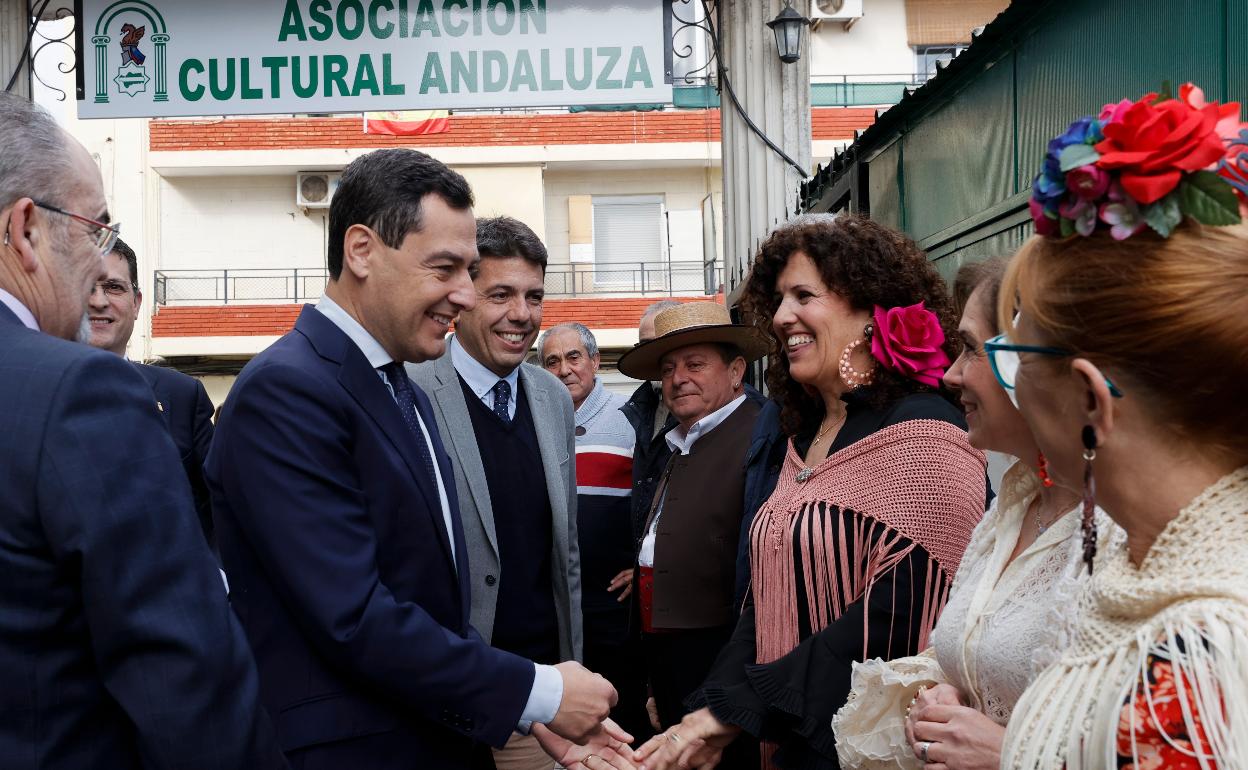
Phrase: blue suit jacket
[340,566]
[187,411]
[117,647]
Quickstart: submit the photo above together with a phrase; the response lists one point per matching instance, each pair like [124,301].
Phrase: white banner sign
[150,58]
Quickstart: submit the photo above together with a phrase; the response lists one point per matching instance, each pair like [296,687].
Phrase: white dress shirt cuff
[544,698]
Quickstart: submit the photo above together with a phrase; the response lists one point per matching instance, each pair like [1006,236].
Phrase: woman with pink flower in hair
[853,554]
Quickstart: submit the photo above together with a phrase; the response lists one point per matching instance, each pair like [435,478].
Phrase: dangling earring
[1089,497]
[1042,470]
[849,375]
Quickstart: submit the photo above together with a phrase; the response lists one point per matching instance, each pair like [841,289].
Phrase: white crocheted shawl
[1187,602]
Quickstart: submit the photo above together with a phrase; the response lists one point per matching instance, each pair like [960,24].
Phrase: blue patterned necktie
[502,395]
[406,398]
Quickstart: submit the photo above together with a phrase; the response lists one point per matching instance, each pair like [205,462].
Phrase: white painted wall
[874,45]
[212,223]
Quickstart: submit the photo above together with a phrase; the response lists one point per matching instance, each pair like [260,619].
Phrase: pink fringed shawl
[917,480]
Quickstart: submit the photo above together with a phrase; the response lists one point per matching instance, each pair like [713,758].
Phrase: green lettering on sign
[388,88]
[536,15]
[495,64]
[292,22]
[612,53]
[433,77]
[380,31]
[191,93]
[508,21]
[365,77]
[274,65]
[319,11]
[244,76]
[638,69]
[548,83]
[523,74]
[336,74]
[353,30]
[454,28]
[424,20]
[219,92]
[464,72]
[301,90]
[580,83]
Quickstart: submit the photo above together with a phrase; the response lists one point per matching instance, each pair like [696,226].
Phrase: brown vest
[695,548]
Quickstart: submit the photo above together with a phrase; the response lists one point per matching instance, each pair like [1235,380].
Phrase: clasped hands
[946,734]
[583,737]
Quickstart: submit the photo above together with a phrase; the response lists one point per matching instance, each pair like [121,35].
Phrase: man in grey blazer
[510,430]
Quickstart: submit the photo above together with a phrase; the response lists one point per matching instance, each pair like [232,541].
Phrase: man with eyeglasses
[117,646]
[181,399]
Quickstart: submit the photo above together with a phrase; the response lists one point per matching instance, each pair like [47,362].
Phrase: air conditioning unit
[314,189]
[835,10]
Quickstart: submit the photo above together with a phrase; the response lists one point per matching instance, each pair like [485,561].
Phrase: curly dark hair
[867,264]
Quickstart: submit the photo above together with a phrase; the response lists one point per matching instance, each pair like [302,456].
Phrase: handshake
[583,737]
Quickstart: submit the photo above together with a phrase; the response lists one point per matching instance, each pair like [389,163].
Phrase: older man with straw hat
[688,550]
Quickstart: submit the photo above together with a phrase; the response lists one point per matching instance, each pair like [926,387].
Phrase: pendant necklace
[806,472]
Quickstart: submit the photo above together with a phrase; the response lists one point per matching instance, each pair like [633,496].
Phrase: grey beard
[84,330]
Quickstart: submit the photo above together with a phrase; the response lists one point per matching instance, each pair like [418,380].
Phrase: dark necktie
[406,398]
[502,395]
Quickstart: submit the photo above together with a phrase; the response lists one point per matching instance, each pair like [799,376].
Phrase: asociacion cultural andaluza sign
[149,58]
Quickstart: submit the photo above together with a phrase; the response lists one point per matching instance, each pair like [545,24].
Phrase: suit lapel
[364,385]
[553,445]
[449,399]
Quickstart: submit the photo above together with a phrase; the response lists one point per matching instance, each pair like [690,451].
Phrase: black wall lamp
[788,26]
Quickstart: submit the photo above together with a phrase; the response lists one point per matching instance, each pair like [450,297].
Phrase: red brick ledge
[275,320]
[832,123]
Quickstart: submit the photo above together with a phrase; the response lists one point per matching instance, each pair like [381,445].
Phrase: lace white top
[1003,624]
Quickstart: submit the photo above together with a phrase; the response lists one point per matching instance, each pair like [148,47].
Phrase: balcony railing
[583,280]
[294,285]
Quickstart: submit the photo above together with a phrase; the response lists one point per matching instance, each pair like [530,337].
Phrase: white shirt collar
[480,379]
[683,442]
[368,345]
[21,311]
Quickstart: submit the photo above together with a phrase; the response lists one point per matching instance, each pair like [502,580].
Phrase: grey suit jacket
[554,419]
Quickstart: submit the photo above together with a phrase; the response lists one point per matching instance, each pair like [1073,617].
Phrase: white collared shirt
[377,358]
[681,442]
[481,380]
[21,311]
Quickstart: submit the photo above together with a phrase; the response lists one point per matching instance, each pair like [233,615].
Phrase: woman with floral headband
[853,554]
[1129,358]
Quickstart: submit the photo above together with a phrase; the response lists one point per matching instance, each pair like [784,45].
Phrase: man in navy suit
[180,399]
[337,515]
[117,647]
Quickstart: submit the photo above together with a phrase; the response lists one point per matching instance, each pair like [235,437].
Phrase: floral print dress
[1152,732]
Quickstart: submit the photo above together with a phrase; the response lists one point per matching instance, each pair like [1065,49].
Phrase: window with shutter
[629,242]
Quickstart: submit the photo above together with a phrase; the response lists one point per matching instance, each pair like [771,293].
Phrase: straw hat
[691,323]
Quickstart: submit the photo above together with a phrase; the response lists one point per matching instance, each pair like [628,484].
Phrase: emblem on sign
[138,30]
[131,77]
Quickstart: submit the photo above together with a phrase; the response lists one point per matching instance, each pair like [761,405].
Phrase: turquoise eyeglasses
[1003,356]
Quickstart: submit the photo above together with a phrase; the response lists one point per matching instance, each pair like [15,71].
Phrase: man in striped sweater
[604,463]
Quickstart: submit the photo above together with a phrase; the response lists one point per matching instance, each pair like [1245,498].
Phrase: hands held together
[944,734]
[583,737]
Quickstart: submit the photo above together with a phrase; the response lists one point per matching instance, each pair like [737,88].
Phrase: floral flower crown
[1147,163]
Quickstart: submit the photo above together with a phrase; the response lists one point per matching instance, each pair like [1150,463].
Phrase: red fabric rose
[909,340]
[1153,145]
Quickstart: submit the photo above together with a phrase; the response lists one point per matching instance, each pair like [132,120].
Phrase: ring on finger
[591,756]
[923,747]
[673,737]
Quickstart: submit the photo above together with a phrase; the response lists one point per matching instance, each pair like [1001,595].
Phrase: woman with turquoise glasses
[950,704]
[1129,357]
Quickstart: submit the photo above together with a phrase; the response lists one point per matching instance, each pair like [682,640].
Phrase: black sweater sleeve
[791,701]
